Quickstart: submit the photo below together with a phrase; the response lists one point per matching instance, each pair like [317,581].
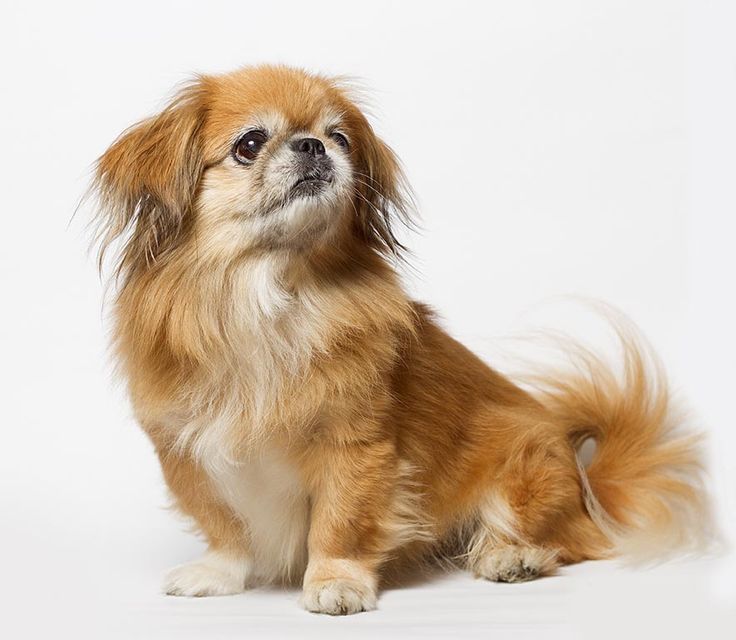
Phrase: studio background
[554,148]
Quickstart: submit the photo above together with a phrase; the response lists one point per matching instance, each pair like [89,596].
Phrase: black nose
[310,146]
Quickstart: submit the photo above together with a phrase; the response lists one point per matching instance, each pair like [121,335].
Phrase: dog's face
[281,181]
[264,159]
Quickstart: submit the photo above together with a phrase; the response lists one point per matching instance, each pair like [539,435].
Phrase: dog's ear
[147,180]
[383,196]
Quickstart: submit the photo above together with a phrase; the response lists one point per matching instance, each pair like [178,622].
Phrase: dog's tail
[644,487]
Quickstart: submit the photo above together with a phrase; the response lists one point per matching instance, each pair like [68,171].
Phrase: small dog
[313,421]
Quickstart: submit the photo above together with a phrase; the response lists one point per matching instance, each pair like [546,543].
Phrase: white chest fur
[274,334]
[266,494]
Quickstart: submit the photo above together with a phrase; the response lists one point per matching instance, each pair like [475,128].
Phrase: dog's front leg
[353,488]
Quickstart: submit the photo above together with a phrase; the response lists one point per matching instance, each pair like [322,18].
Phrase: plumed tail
[644,487]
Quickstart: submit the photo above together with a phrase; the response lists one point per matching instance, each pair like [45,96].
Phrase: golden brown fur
[314,421]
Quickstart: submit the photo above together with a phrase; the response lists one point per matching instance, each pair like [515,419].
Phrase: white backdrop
[554,147]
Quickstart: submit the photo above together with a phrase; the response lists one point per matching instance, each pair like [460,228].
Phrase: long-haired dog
[316,423]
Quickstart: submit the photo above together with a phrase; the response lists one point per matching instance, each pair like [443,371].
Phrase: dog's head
[262,159]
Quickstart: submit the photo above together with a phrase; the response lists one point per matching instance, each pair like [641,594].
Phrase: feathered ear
[383,197]
[146,182]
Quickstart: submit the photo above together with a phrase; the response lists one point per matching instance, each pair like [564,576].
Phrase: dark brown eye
[340,139]
[248,145]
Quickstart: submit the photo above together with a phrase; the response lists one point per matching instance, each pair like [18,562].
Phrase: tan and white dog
[316,423]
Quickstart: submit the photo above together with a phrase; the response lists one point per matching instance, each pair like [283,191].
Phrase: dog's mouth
[311,184]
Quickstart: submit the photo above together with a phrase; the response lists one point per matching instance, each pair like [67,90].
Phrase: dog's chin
[309,217]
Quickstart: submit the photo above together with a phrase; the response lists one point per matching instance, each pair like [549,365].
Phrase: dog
[318,425]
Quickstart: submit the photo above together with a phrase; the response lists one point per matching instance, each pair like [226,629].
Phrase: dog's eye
[248,145]
[340,139]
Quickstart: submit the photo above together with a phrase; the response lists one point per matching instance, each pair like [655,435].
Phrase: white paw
[514,563]
[215,574]
[338,597]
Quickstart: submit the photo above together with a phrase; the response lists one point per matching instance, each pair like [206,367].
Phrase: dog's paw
[215,574]
[513,563]
[338,597]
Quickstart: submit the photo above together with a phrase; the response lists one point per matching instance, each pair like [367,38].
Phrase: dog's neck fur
[240,334]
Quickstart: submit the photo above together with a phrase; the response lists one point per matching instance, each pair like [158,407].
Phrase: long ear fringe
[386,202]
[385,199]
[144,183]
